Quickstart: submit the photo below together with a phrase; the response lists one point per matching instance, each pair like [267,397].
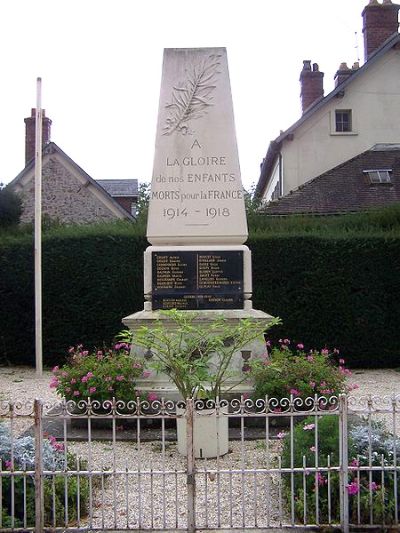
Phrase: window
[378,176]
[343,120]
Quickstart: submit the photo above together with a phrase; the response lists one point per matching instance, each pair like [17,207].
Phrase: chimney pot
[30,133]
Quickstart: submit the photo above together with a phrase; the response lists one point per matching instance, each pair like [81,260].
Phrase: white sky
[100,64]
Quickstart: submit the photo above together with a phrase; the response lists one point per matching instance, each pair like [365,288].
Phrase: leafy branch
[191,99]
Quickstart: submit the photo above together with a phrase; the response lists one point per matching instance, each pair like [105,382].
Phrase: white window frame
[333,123]
[378,176]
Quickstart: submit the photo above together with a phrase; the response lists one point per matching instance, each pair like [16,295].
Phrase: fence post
[191,487]
[39,504]
[344,463]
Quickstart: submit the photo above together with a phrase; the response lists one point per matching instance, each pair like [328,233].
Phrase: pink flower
[355,463]
[245,396]
[146,373]
[136,364]
[84,353]
[71,349]
[310,358]
[54,383]
[76,393]
[108,378]
[353,488]
[67,389]
[341,361]
[152,396]
[353,386]
[281,435]
[300,346]
[308,427]
[313,449]
[324,351]
[374,486]
[90,375]
[321,480]
[120,378]
[277,409]
[56,369]
[92,390]
[73,381]
[64,374]
[312,384]
[84,379]
[268,344]
[8,464]
[117,346]
[336,351]
[295,392]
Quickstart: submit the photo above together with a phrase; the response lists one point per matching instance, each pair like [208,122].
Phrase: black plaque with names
[197,280]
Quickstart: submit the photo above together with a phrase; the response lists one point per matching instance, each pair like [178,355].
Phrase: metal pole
[39,504]
[191,487]
[344,463]
[38,231]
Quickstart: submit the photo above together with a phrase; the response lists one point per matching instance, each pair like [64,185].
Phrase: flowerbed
[372,493]
[18,491]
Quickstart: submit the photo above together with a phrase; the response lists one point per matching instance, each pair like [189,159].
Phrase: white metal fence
[115,466]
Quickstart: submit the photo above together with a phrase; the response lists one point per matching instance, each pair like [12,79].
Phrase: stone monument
[197,221]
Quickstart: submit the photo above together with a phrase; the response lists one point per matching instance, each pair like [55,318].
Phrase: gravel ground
[163,497]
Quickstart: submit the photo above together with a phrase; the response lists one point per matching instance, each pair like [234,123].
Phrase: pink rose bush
[100,375]
[288,370]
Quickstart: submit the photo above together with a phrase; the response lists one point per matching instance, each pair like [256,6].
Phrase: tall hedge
[339,291]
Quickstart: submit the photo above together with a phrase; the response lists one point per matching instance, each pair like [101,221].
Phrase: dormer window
[376,176]
[343,120]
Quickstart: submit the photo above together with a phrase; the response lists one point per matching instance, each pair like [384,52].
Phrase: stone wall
[64,197]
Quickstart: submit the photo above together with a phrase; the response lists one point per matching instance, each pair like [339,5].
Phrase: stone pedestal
[161,384]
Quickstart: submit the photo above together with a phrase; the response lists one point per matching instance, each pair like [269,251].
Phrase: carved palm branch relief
[191,99]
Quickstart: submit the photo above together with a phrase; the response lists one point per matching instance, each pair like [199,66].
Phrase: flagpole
[38,231]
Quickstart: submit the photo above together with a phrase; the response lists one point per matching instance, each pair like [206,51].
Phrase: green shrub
[371,496]
[285,371]
[102,375]
[337,283]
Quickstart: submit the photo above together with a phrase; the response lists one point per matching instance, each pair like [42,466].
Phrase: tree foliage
[10,206]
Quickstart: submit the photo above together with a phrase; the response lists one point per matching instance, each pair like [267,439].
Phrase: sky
[100,64]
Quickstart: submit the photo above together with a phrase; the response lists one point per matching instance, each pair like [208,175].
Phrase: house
[69,194]
[359,115]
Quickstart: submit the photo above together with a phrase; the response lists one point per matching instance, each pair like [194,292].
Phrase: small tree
[143,204]
[10,206]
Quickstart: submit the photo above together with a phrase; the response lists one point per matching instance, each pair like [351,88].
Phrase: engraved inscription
[197,280]
[192,97]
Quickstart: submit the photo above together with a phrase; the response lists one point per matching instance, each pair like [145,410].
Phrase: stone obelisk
[197,221]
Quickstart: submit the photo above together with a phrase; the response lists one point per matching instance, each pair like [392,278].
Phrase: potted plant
[195,352]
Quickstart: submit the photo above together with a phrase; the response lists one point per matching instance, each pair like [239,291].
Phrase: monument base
[235,386]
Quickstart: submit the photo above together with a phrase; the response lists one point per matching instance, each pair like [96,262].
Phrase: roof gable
[275,145]
[51,149]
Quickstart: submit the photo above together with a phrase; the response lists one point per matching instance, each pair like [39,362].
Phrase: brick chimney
[380,21]
[312,84]
[30,134]
[342,74]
